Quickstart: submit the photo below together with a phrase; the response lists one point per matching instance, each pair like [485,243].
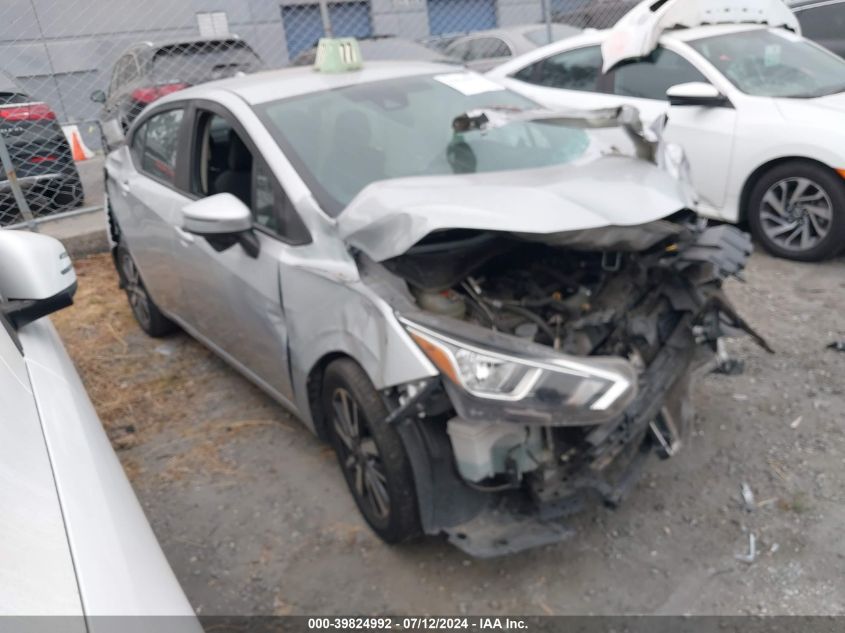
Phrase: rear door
[144,197]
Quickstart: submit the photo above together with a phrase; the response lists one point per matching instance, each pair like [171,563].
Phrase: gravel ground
[254,516]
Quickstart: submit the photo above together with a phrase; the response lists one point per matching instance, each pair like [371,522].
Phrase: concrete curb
[82,235]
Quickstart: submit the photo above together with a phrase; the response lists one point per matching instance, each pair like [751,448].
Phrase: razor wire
[76,73]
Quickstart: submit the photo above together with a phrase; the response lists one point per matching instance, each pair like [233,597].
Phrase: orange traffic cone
[77,147]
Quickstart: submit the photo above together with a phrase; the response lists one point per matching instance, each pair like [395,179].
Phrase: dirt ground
[254,516]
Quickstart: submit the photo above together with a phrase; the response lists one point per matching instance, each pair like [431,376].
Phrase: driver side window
[224,163]
[651,77]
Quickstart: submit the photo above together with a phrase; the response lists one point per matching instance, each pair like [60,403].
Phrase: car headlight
[509,378]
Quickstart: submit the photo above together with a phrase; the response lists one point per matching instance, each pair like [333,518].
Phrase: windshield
[774,63]
[342,140]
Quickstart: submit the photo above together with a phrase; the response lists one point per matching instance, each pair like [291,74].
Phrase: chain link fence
[76,72]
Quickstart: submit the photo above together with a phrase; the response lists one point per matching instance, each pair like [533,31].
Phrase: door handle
[124,185]
[184,236]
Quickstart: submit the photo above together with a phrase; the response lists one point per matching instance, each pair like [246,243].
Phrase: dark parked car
[148,71]
[597,14]
[40,155]
[823,21]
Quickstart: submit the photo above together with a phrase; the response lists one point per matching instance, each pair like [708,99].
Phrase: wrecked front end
[565,360]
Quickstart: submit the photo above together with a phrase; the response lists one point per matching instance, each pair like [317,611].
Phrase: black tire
[774,206]
[144,309]
[376,449]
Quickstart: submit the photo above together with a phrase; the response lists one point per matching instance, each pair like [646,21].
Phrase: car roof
[291,82]
[710,30]
[803,4]
[591,37]
[594,37]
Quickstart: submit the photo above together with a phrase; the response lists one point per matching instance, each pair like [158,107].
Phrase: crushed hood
[637,33]
[389,217]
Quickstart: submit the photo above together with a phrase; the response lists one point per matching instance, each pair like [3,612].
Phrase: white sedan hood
[828,111]
[389,217]
[637,33]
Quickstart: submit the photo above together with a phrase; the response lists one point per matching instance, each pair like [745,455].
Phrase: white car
[759,110]
[75,541]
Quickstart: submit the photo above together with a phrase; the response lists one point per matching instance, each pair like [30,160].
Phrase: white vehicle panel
[120,567]
[37,573]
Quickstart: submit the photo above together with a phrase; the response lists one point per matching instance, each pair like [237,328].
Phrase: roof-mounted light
[338,55]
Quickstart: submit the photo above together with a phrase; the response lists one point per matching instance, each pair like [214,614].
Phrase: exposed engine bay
[646,297]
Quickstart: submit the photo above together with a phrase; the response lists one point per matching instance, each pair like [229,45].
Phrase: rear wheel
[797,211]
[370,452]
[145,311]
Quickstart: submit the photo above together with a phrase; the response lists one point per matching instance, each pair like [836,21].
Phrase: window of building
[213,23]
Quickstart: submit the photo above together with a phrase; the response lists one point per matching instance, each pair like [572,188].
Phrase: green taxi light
[338,55]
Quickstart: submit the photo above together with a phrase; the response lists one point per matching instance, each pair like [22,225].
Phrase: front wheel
[797,211]
[370,452]
[145,311]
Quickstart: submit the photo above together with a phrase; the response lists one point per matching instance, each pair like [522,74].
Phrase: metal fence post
[327,19]
[547,18]
[17,192]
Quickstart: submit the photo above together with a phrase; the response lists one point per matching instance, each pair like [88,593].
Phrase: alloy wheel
[360,454]
[796,213]
[135,291]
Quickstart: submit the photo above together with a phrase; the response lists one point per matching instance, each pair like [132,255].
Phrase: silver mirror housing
[220,214]
[36,276]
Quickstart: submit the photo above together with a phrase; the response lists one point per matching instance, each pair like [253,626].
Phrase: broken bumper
[610,460]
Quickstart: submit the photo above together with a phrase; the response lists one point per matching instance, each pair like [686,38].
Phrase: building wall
[62,50]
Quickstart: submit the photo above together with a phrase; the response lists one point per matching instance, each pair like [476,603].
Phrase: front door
[235,299]
[705,133]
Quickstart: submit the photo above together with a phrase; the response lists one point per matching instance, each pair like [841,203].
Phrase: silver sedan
[489,310]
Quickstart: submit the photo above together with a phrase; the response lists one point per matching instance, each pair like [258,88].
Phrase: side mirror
[36,276]
[696,93]
[223,220]
[98,96]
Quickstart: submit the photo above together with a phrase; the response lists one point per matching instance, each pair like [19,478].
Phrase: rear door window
[577,69]
[155,145]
